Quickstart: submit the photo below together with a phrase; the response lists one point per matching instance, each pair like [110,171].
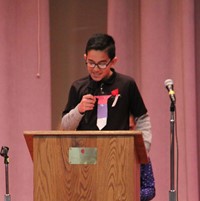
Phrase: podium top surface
[89,132]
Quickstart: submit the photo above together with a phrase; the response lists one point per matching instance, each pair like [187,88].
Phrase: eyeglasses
[100,65]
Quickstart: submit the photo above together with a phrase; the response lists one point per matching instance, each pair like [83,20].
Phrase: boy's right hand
[87,103]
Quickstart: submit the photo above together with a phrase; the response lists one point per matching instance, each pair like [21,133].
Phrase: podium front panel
[114,177]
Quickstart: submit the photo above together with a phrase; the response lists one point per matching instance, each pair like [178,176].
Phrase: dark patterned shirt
[147,191]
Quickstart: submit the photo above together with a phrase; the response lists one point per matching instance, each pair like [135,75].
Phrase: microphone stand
[172,192]
[4,151]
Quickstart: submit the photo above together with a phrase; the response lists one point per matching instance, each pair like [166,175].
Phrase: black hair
[103,42]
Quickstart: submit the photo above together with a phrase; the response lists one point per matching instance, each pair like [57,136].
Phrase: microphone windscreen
[168,82]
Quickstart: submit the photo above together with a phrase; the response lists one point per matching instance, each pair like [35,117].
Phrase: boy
[104,99]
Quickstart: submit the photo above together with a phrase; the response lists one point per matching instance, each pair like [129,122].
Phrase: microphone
[169,84]
[4,151]
[90,90]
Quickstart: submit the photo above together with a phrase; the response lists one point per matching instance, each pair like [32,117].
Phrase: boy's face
[99,57]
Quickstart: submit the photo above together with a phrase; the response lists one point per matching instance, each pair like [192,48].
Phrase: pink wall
[25,102]
[165,49]
[155,41]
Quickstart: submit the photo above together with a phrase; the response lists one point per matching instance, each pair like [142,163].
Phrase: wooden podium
[86,165]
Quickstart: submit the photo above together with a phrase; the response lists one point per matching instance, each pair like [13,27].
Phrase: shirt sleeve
[71,120]
[144,125]
[137,105]
[71,117]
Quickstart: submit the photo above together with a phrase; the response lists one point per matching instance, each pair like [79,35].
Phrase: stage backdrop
[41,53]
[160,40]
[25,101]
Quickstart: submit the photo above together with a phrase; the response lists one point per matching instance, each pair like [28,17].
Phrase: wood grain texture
[115,177]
